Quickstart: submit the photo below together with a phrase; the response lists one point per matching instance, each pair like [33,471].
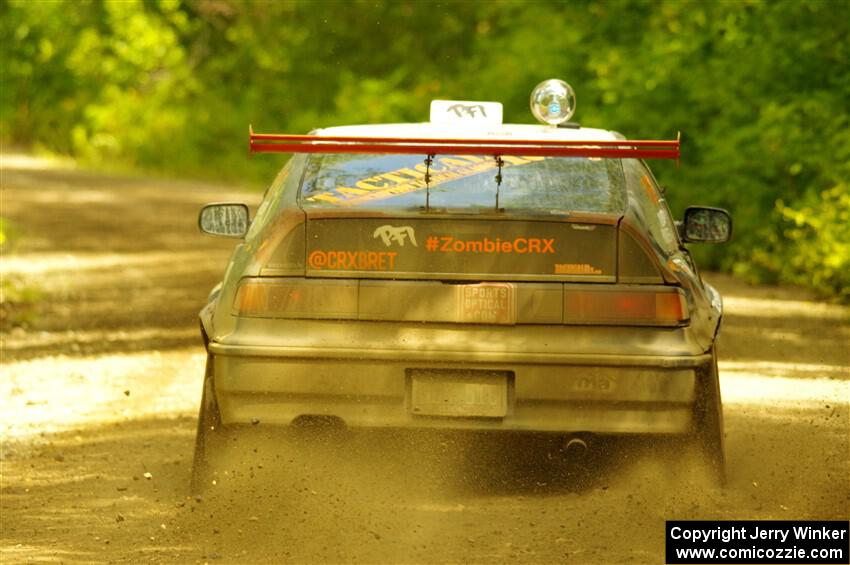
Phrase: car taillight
[340,299]
[297,298]
[634,306]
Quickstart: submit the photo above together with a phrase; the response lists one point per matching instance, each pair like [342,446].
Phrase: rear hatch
[532,219]
[467,244]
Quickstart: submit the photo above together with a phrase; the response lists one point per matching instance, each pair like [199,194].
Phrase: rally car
[465,274]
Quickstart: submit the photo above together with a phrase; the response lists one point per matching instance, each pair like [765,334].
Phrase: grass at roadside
[18,302]
[18,297]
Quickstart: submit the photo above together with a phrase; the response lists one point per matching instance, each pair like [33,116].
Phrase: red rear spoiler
[283,143]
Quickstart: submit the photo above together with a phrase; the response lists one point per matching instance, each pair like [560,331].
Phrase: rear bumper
[552,391]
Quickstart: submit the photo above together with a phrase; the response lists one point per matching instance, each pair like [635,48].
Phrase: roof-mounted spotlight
[553,102]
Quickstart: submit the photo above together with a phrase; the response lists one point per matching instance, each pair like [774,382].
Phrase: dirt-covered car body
[517,293]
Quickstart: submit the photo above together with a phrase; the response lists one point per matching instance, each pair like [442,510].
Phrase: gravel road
[101,380]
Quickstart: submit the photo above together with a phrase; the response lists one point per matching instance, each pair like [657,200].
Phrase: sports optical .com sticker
[519,245]
[352,260]
[493,303]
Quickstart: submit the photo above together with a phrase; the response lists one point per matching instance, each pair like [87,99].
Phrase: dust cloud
[101,382]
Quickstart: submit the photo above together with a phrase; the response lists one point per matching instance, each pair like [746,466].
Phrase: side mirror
[706,225]
[225,219]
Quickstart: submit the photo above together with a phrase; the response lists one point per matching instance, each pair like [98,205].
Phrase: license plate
[471,394]
[487,303]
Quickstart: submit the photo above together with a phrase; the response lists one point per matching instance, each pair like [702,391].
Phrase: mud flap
[209,426]
[708,430]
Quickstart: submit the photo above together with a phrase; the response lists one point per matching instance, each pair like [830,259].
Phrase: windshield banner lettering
[407,179]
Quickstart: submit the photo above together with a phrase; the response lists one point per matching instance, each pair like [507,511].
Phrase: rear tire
[708,420]
[209,427]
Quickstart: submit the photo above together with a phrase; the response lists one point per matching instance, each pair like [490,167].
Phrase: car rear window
[545,185]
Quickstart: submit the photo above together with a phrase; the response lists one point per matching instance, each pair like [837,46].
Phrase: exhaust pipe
[575,448]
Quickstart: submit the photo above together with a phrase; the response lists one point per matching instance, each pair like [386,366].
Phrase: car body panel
[365,392]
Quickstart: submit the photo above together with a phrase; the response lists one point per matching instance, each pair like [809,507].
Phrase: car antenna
[499,163]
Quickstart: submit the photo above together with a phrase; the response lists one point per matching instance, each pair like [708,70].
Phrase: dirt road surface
[101,382]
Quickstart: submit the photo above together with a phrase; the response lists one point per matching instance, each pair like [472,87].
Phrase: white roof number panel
[466,113]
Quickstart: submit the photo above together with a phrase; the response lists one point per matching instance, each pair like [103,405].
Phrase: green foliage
[4,235]
[18,297]
[760,88]
[813,247]
[18,302]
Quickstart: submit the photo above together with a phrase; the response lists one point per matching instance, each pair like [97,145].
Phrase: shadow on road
[117,262]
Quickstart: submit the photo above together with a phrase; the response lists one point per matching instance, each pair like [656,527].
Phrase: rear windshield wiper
[499,164]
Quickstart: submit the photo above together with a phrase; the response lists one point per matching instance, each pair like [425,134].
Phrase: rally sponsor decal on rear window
[519,245]
[576,269]
[338,260]
[544,185]
[411,179]
[395,235]
[442,247]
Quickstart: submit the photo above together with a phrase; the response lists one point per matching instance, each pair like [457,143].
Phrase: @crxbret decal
[352,260]
[392,234]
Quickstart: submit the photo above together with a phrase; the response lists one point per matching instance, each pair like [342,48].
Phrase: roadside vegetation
[17,296]
[760,90]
